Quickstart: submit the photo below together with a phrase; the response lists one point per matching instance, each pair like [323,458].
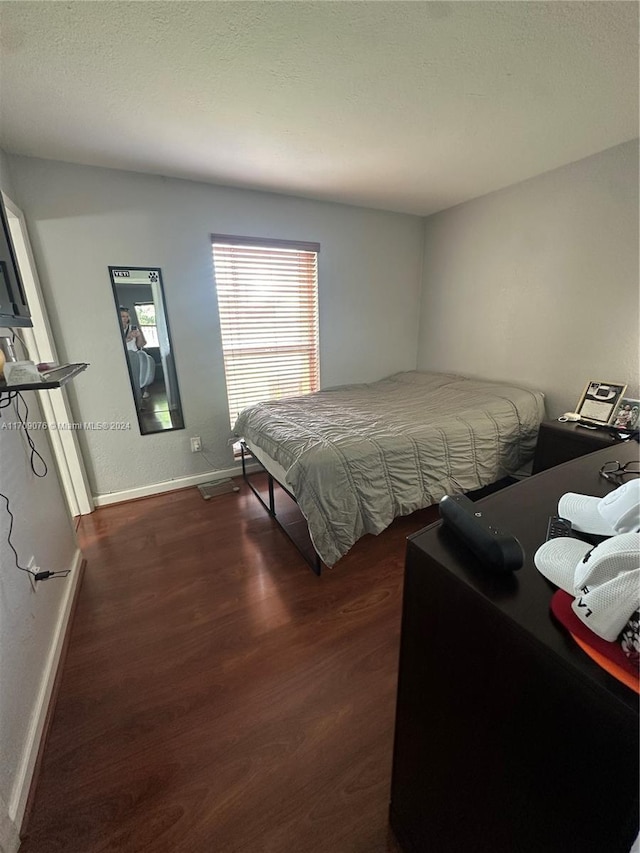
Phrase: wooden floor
[217,696]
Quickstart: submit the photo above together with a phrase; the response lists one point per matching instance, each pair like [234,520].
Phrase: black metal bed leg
[272,504]
[270,508]
[316,566]
[315,563]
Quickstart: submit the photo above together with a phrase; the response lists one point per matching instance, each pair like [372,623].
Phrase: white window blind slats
[268,303]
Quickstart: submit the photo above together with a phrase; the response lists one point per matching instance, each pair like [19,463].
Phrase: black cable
[6,401]
[9,542]
[39,576]
[15,335]
[30,441]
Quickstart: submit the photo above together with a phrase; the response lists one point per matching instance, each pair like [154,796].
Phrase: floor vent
[217,487]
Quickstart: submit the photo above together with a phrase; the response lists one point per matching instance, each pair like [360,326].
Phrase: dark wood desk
[509,738]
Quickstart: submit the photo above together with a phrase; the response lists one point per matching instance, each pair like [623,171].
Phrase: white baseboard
[24,775]
[169,485]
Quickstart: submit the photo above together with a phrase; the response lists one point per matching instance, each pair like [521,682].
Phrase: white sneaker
[145,395]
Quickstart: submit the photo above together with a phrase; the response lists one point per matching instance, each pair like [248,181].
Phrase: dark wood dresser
[509,738]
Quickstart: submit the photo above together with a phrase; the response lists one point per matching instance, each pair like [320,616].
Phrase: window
[268,303]
[146,314]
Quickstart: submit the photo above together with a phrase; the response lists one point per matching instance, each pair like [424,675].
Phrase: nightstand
[561,442]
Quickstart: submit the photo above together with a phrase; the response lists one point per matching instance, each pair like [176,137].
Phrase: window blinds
[268,303]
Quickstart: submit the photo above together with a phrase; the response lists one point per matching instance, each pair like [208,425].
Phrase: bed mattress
[357,456]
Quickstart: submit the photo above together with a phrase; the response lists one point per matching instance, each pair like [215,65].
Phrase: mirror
[144,331]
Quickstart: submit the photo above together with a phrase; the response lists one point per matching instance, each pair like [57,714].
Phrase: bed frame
[314,561]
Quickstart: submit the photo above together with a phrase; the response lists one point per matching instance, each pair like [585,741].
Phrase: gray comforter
[357,456]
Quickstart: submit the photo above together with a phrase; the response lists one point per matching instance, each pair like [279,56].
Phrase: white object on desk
[569,416]
[21,372]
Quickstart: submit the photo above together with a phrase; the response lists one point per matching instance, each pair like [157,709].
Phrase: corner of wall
[421,290]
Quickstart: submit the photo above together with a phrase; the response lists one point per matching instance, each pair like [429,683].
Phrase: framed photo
[626,414]
[600,402]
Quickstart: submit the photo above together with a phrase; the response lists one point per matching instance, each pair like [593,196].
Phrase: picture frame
[599,402]
[626,416]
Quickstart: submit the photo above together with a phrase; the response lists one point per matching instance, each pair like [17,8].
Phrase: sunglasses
[616,472]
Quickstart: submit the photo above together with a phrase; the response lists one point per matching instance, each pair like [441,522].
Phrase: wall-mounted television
[14,310]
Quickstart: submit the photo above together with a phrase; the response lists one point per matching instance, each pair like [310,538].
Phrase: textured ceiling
[409,106]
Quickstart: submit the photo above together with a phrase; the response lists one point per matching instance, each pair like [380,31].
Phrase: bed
[357,456]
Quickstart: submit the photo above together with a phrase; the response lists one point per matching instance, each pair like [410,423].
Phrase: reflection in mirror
[144,330]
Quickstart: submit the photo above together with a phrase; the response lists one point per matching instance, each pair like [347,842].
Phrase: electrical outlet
[31,565]
[196,444]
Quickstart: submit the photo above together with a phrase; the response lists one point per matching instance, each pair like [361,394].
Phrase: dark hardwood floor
[217,696]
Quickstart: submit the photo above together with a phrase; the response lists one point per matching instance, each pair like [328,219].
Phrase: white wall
[82,219]
[29,623]
[538,283]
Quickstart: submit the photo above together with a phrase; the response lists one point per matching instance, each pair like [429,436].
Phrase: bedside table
[560,442]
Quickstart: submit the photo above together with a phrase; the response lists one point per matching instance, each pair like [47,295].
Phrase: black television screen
[14,310]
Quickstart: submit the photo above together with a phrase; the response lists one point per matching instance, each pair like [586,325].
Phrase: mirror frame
[123,267]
